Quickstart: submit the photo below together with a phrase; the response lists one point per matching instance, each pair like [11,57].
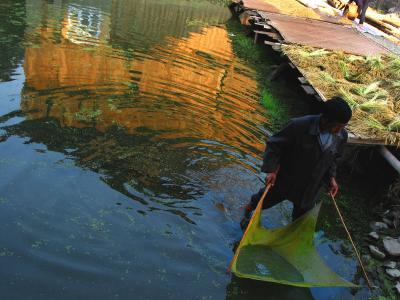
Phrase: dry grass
[371,86]
[293,8]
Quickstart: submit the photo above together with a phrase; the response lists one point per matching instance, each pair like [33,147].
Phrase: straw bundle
[371,86]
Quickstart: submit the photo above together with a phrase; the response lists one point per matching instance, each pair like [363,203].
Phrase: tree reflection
[12,28]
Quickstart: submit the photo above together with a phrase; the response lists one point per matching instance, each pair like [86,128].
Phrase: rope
[351,240]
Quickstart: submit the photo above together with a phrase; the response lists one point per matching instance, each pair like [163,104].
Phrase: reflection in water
[12,26]
[191,94]
[172,88]
[166,172]
[142,23]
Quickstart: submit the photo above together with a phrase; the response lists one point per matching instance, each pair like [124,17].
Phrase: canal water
[130,139]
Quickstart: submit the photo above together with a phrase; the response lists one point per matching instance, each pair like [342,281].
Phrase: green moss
[277,112]
[279,97]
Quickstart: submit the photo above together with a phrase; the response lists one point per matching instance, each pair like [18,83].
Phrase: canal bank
[365,197]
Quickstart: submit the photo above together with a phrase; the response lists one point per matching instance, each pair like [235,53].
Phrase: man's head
[336,114]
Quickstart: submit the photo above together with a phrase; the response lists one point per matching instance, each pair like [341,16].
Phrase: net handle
[351,240]
[259,206]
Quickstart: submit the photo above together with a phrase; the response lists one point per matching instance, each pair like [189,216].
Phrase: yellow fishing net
[284,255]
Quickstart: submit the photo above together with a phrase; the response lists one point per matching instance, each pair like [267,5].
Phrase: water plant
[276,110]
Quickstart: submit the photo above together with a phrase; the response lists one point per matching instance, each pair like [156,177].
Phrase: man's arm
[275,147]
[333,186]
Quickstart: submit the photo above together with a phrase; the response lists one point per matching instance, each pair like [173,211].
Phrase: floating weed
[103,213]
[87,115]
[5,252]
[38,244]
[69,249]
[97,225]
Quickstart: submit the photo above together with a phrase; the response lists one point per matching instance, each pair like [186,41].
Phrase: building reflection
[188,86]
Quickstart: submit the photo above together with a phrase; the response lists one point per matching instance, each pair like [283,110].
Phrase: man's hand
[270,179]
[333,187]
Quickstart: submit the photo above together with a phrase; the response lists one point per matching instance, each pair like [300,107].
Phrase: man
[303,156]
[362,8]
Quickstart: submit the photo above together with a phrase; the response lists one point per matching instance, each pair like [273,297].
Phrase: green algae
[280,99]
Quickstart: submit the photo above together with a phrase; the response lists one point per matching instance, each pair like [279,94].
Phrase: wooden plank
[303,80]
[263,25]
[261,32]
[274,36]
[321,95]
[308,89]
[277,48]
[355,139]
[365,142]
[272,43]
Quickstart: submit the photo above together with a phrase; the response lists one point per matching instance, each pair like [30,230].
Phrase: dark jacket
[304,166]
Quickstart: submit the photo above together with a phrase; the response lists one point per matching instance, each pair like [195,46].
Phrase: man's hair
[336,110]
